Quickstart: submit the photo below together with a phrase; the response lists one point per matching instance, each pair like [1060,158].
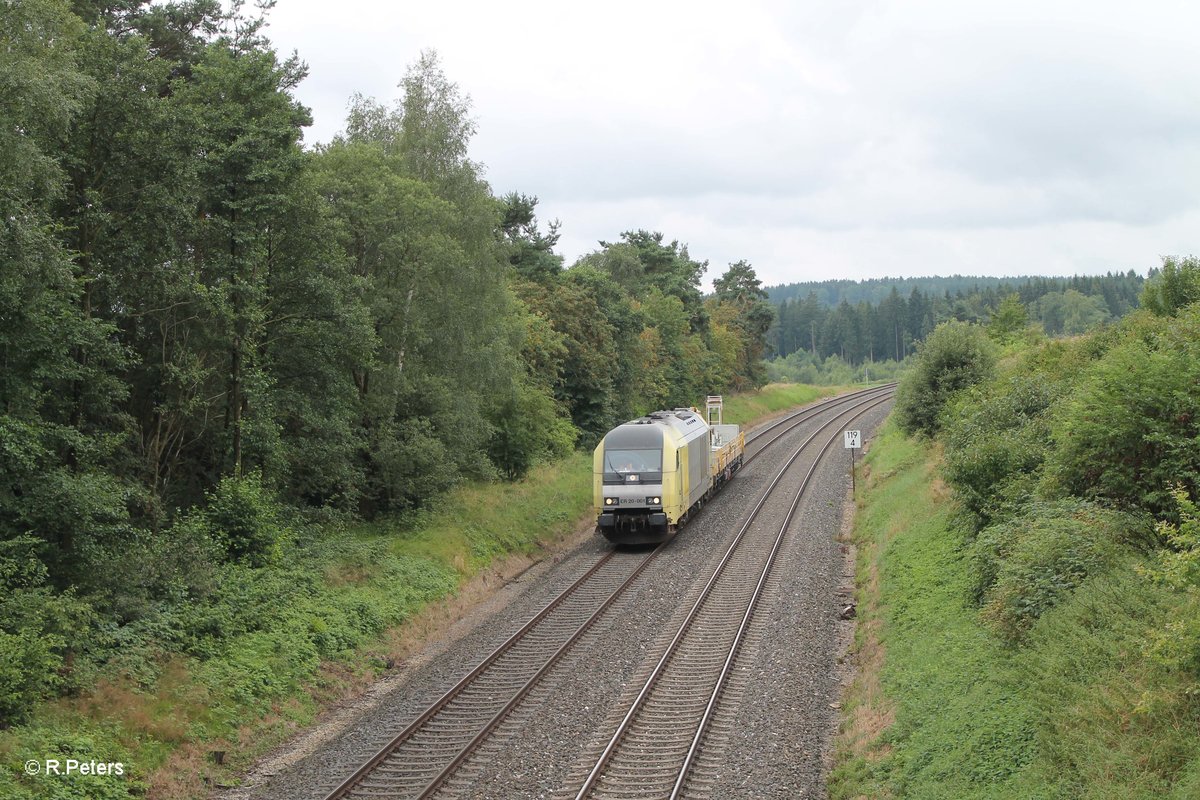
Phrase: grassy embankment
[339,608]
[319,625]
[747,409]
[943,708]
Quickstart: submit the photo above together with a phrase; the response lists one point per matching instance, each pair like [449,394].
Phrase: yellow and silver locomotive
[651,473]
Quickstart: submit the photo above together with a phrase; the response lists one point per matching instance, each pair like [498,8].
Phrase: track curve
[422,759]
[652,750]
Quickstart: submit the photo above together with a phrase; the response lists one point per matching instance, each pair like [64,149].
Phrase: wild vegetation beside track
[316,625]
[286,638]
[1028,567]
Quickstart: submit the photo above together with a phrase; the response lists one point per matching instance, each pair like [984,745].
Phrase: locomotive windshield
[624,462]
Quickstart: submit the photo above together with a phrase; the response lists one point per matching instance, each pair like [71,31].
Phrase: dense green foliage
[1087,699]
[954,357]
[881,319]
[999,440]
[1174,286]
[1074,470]
[215,346]
[628,330]
[1064,458]
[1026,564]
[1131,429]
[1177,644]
[1119,291]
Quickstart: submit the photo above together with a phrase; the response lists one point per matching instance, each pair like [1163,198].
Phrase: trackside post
[852,440]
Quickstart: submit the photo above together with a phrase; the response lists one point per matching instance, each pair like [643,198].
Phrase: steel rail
[442,777]
[795,419]
[343,789]
[702,728]
[685,626]
[491,725]
[822,404]
[348,785]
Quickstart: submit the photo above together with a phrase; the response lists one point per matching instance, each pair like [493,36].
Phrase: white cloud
[814,139]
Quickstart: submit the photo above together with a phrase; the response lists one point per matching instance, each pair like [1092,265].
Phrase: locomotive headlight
[608,501]
[653,500]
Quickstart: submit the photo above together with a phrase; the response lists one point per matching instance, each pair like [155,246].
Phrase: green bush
[298,598]
[529,429]
[411,465]
[1009,319]
[1027,565]
[1131,428]
[86,742]
[244,518]
[996,441]
[264,666]
[954,356]
[174,566]
[28,671]
[1177,644]
[39,628]
[246,600]
[1174,286]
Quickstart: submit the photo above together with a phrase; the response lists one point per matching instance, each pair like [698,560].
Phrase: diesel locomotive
[651,473]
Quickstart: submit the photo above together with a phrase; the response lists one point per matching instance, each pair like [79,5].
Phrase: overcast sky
[814,139]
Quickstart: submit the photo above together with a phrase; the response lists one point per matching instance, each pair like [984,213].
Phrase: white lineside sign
[852,440]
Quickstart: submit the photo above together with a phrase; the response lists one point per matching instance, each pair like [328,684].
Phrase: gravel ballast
[773,730]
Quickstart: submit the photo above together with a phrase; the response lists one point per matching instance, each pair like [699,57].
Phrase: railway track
[653,749]
[425,757]
[777,429]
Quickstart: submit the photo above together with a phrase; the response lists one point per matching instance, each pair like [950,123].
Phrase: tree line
[832,292]
[866,331]
[202,323]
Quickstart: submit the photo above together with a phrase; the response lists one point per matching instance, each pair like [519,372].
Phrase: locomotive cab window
[620,463]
